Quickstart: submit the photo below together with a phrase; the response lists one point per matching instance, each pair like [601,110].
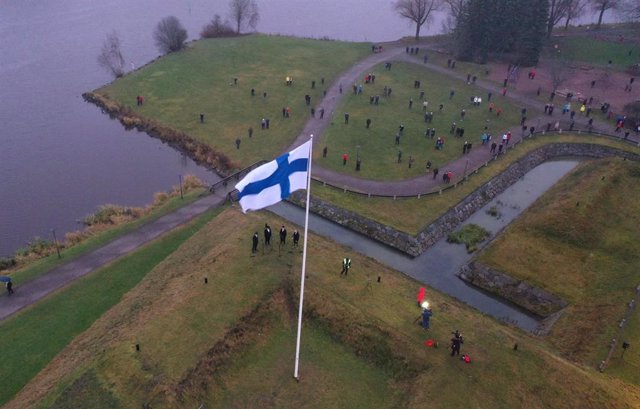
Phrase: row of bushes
[107,216]
[198,151]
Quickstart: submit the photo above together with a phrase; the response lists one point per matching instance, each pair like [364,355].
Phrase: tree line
[171,36]
[518,28]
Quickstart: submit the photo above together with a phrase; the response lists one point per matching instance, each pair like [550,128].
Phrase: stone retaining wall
[448,222]
[530,298]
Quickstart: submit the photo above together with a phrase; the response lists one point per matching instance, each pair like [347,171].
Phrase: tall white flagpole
[304,258]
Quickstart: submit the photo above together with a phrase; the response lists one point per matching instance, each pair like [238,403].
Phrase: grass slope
[580,241]
[598,51]
[37,334]
[230,343]
[180,86]
[377,148]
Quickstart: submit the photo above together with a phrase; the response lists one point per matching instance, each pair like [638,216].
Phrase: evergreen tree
[532,33]
[513,28]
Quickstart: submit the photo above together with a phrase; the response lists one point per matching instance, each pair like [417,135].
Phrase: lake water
[60,157]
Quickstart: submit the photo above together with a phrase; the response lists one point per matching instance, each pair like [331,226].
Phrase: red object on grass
[467,358]
[421,295]
[429,342]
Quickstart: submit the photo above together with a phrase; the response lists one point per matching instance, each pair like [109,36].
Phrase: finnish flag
[274,181]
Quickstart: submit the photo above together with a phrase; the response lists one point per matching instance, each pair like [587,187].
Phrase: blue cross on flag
[274,181]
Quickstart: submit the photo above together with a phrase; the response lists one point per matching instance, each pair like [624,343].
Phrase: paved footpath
[67,273]
[63,275]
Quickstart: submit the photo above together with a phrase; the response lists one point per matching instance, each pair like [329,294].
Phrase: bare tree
[418,11]
[244,13]
[455,8]
[601,6]
[218,28]
[557,11]
[559,70]
[170,35]
[110,58]
[455,12]
[630,10]
[575,10]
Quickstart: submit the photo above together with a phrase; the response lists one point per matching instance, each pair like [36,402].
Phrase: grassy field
[35,335]
[412,214]
[376,146]
[180,86]
[38,267]
[581,242]
[361,346]
[599,52]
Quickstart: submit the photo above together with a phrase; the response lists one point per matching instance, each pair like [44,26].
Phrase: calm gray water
[60,157]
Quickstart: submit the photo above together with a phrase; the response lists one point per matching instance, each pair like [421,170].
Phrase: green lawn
[376,146]
[580,241]
[180,86]
[35,335]
[38,267]
[598,51]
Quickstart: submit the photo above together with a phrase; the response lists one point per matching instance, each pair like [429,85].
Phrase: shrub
[159,198]
[191,182]
[7,262]
[170,35]
[36,246]
[494,212]
[217,28]
[75,237]
[470,235]
[105,215]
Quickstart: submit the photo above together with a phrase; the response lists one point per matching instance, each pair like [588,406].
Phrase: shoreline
[199,152]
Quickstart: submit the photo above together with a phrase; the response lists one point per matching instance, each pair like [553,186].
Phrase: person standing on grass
[426,316]
[346,265]
[255,239]
[283,235]
[267,234]
[456,341]
[296,237]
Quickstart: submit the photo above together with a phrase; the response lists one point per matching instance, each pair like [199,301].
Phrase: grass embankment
[376,145]
[581,242]
[598,51]
[34,336]
[96,236]
[230,343]
[180,86]
[412,214]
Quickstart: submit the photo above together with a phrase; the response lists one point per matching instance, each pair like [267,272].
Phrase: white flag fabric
[274,181]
